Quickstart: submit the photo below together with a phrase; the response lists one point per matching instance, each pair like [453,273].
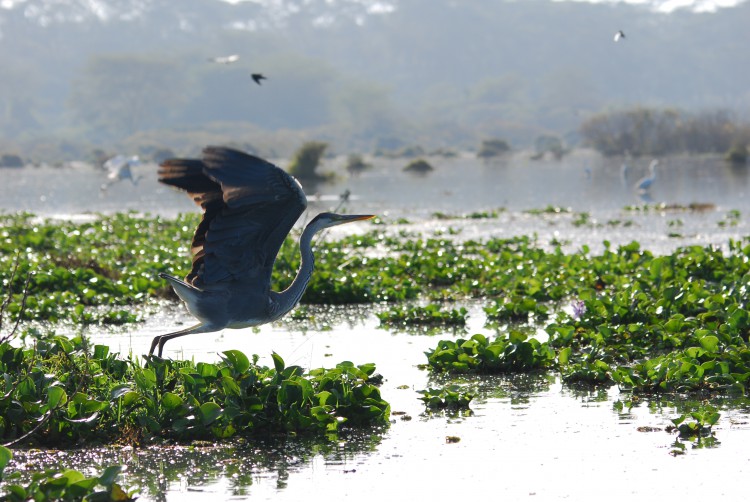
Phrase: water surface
[528,437]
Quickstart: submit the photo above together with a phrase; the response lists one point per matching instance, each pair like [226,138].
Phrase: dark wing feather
[188,175]
[249,205]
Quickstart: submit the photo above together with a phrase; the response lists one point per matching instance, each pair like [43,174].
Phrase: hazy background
[134,74]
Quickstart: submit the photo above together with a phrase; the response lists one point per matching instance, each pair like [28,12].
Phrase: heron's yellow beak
[340,219]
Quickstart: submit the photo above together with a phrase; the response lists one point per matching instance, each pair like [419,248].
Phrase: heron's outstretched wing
[249,205]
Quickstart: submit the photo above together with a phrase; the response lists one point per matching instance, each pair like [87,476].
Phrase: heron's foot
[156,341]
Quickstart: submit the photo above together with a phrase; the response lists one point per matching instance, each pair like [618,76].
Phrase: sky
[665,6]
[379,6]
[668,6]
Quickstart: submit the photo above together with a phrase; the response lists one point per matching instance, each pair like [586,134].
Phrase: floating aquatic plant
[451,397]
[429,315]
[478,354]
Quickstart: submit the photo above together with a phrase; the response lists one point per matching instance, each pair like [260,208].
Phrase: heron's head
[325,220]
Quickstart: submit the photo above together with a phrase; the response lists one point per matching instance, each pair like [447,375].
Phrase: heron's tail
[185,291]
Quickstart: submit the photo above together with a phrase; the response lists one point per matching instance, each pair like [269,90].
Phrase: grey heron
[249,207]
[644,184]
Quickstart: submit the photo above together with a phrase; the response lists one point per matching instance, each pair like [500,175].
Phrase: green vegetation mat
[649,323]
[671,324]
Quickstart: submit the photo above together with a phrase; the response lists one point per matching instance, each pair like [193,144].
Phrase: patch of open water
[527,437]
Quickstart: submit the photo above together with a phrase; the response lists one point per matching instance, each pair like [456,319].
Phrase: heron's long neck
[292,295]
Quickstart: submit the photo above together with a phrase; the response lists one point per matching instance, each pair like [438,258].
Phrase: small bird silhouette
[225,59]
[620,34]
[258,77]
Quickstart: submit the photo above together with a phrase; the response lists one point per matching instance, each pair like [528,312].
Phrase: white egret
[119,168]
[644,184]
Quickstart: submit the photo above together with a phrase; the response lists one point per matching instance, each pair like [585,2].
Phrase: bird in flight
[620,34]
[233,58]
[249,207]
[258,77]
[119,168]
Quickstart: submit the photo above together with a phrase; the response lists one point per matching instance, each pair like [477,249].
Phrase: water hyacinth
[579,308]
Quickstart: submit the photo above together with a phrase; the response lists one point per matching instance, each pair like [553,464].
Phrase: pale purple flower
[579,308]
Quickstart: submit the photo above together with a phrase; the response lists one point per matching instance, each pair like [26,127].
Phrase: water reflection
[160,470]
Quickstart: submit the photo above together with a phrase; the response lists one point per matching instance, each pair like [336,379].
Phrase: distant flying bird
[119,168]
[225,59]
[258,77]
[619,35]
[249,207]
[644,184]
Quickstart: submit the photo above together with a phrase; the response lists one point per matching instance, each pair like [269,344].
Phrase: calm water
[583,181]
[528,438]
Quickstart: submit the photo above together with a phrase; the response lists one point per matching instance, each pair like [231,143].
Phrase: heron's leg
[160,340]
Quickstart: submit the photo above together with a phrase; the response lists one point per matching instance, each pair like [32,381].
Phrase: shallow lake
[527,437]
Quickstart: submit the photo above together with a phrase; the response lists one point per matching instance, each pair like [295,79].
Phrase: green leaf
[19,492]
[711,417]
[710,343]
[130,397]
[100,351]
[278,362]
[5,456]
[145,379]
[73,476]
[171,401]
[56,397]
[109,475]
[82,487]
[238,360]
[209,412]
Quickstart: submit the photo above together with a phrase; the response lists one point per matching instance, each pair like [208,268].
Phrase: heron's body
[249,208]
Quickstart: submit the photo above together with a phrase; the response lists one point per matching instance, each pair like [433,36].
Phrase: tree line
[652,131]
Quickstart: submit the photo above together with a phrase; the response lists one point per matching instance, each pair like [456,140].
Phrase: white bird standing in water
[644,184]
[624,173]
[249,207]
[119,168]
